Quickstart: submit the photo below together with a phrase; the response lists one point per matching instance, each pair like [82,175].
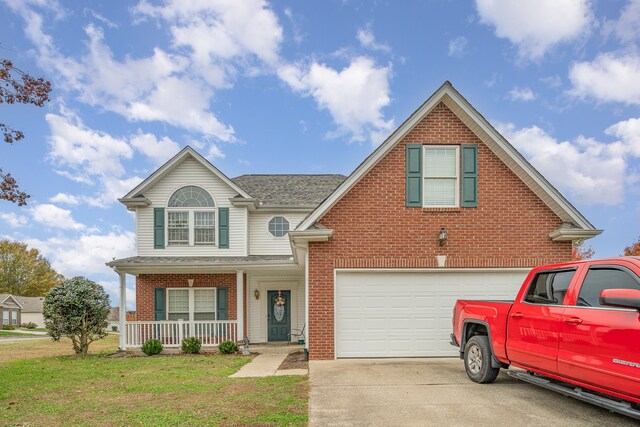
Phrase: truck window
[549,287]
[599,279]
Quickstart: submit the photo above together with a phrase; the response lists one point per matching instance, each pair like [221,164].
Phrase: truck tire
[477,360]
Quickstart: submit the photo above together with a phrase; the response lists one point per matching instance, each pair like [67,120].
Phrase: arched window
[191,217]
[191,197]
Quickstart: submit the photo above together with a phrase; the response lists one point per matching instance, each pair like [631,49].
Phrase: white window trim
[192,301]
[192,225]
[13,316]
[286,236]
[457,178]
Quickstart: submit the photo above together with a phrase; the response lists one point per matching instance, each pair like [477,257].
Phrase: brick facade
[146,283]
[373,228]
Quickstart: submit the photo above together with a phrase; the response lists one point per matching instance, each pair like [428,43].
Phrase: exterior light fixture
[442,236]
[190,281]
[256,293]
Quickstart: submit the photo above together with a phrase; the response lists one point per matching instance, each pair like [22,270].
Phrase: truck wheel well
[474,329]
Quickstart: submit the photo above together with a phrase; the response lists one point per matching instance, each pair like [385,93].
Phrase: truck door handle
[573,320]
[517,315]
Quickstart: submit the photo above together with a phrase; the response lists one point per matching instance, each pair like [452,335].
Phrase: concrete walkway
[266,364]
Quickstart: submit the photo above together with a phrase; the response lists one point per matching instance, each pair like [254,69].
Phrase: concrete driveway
[437,392]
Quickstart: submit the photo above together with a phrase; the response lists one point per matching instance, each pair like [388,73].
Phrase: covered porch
[214,299]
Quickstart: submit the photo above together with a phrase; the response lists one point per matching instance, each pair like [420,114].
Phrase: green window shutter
[414,175]
[158,228]
[159,304]
[469,176]
[222,304]
[223,228]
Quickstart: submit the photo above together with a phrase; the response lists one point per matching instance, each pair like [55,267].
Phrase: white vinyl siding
[381,313]
[441,176]
[257,308]
[261,242]
[191,172]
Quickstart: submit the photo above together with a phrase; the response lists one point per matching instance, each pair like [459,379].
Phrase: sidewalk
[266,364]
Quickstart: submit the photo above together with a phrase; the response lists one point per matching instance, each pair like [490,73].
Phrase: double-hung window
[191,218]
[5,317]
[441,176]
[14,317]
[191,304]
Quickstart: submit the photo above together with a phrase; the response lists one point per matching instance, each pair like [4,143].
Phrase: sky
[305,87]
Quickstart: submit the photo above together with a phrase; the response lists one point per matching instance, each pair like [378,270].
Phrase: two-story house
[369,265]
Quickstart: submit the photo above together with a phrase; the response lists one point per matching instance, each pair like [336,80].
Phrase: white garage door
[408,314]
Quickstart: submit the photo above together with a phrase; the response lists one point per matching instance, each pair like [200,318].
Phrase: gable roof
[289,190]
[136,195]
[31,304]
[488,135]
[5,297]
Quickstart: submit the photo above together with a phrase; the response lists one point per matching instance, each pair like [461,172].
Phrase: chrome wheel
[474,359]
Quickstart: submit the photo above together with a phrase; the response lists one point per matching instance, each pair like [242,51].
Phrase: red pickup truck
[573,328]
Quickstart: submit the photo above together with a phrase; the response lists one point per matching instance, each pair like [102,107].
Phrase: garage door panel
[408,314]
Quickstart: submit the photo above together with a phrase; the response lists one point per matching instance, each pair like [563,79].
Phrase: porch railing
[172,332]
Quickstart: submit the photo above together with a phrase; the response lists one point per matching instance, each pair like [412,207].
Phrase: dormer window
[191,217]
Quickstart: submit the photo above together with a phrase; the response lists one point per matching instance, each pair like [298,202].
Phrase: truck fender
[467,324]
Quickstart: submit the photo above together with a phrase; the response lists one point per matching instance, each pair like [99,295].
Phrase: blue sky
[306,87]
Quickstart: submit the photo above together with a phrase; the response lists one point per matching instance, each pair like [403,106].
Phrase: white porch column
[240,302]
[306,300]
[123,311]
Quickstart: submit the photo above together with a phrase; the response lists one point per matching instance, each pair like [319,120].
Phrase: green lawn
[154,391]
[14,334]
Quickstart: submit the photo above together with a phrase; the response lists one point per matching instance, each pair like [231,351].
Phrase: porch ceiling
[160,264]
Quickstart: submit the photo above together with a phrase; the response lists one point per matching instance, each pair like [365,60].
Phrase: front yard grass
[14,334]
[158,391]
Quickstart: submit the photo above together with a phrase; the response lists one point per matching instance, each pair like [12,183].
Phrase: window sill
[442,210]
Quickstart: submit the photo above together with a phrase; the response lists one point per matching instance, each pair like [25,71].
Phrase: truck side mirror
[626,298]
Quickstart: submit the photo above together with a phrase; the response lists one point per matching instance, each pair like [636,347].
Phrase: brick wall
[373,228]
[146,283]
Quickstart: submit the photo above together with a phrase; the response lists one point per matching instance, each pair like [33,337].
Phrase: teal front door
[279,315]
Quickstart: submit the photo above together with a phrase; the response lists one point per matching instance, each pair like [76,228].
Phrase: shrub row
[191,345]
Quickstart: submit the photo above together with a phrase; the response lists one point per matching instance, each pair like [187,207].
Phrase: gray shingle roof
[289,190]
[31,304]
[200,260]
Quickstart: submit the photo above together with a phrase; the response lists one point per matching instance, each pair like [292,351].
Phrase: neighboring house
[114,319]
[10,309]
[32,310]
[370,265]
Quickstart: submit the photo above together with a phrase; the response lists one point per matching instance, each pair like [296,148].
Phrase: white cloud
[113,289]
[611,77]
[14,221]
[65,198]
[626,27]
[536,26]
[87,254]
[592,172]
[156,88]
[158,150]
[552,81]
[55,217]
[242,30]
[457,47]
[628,132]
[524,94]
[368,40]
[354,96]
[86,151]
